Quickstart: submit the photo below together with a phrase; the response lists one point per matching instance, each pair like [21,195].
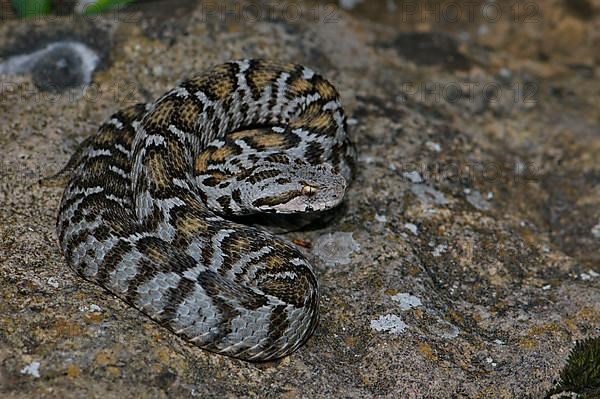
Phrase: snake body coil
[145,212]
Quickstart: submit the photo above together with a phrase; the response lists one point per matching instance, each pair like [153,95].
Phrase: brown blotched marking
[262,175]
[112,259]
[189,112]
[242,134]
[279,158]
[236,195]
[201,81]
[221,89]
[159,119]
[300,87]
[321,122]
[225,203]
[325,89]
[202,162]
[313,152]
[157,169]
[221,154]
[259,79]
[279,323]
[277,199]
[293,291]
[273,141]
[214,179]
[175,297]
[172,261]
[131,113]
[283,180]
[187,225]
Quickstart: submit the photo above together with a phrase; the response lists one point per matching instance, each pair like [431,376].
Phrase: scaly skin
[143,214]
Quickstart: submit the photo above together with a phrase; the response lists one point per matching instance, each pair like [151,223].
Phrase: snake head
[293,188]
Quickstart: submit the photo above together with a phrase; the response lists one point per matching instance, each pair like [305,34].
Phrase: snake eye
[309,190]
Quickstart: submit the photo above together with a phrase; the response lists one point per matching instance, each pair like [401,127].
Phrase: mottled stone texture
[496,245]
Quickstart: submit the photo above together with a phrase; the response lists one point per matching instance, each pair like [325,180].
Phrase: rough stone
[504,291]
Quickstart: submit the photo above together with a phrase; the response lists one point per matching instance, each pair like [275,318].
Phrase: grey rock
[491,287]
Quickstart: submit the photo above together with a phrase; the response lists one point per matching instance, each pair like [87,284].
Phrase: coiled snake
[146,211]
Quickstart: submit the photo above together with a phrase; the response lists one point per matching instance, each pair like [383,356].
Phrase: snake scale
[147,211]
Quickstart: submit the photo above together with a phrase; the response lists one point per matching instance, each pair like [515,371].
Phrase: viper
[149,211]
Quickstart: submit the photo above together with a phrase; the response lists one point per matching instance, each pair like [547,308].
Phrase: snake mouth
[277,203]
[296,201]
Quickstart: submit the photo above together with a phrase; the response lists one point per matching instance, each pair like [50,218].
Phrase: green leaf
[32,8]
[581,374]
[104,5]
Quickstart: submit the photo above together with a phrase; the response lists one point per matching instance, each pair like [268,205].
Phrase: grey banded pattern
[146,212]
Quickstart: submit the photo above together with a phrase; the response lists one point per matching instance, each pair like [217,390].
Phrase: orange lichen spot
[104,358]
[528,343]
[73,371]
[427,351]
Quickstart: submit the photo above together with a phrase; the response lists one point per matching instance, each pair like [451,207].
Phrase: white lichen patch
[32,369]
[90,308]
[412,228]
[589,275]
[407,301]
[389,323]
[335,248]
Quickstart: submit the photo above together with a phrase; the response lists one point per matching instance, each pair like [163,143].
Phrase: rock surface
[500,118]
